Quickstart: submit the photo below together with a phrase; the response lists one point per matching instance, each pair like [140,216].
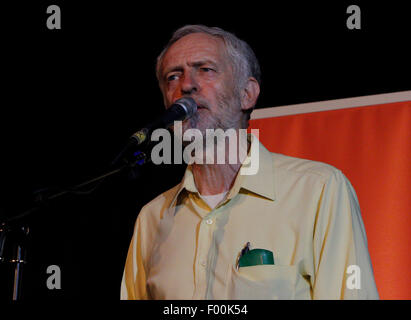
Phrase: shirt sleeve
[133,284]
[342,262]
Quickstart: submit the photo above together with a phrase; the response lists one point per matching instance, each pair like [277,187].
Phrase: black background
[72,97]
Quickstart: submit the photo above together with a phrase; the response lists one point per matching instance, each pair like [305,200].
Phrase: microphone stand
[14,229]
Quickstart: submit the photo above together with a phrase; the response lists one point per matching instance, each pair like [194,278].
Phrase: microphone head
[189,105]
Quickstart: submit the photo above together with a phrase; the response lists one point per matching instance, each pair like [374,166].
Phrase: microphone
[184,108]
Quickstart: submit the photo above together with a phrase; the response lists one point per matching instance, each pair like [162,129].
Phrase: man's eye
[172,77]
[206,69]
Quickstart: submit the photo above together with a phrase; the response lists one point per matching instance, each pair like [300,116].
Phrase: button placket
[204,243]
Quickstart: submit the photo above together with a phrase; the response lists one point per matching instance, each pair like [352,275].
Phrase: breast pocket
[262,282]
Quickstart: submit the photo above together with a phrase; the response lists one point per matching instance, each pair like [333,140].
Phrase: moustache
[201,103]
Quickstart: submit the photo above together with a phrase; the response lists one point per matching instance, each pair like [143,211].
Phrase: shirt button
[203,263]
[209,221]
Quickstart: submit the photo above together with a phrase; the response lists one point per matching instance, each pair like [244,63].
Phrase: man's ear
[249,94]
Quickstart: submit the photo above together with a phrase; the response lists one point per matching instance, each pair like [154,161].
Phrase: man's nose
[189,84]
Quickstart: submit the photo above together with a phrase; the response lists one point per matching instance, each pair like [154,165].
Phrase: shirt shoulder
[298,167]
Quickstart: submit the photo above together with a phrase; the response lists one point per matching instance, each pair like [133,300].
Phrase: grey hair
[244,61]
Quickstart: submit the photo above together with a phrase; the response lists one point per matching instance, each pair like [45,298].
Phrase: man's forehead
[194,46]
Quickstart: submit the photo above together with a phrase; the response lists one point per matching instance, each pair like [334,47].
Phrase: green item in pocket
[256,257]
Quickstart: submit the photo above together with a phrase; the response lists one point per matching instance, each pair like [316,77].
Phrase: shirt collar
[260,183]
[263,182]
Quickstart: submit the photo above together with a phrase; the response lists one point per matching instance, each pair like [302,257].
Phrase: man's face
[197,66]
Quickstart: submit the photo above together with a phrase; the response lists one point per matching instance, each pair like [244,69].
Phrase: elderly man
[293,230]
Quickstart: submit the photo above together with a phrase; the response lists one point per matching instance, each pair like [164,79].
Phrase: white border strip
[331,105]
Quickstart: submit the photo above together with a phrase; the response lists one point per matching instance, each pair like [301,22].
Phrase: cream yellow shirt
[305,212]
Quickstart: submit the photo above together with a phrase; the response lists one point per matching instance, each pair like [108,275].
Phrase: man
[188,241]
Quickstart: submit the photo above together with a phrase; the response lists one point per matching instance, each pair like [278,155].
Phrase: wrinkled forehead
[194,47]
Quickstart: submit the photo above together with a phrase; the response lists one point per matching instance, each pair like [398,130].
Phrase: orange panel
[372,146]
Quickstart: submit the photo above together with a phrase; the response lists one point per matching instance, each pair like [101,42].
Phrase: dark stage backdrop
[72,97]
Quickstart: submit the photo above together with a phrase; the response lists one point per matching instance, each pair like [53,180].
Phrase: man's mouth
[201,110]
[201,107]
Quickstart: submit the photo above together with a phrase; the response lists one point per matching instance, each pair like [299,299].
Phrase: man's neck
[213,179]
